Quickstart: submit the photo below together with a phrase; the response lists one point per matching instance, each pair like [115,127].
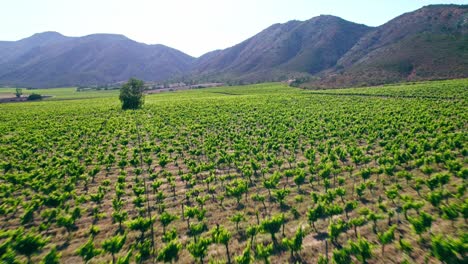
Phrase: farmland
[264,173]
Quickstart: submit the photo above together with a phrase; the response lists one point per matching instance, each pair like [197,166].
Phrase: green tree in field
[222,236]
[362,249]
[53,257]
[88,251]
[199,249]
[350,206]
[449,250]
[272,183]
[335,229]
[193,212]
[18,92]
[237,218]
[34,97]
[125,259]
[236,189]
[141,224]
[272,226]
[405,245]
[170,252]
[252,231]
[356,222]
[166,218]
[131,94]
[246,257]
[341,256]
[299,179]
[314,214]
[28,244]
[421,224]
[281,195]
[294,244]
[113,245]
[119,217]
[387,237]
[68,222]
[169,235]
[264,252]
[195,230]
[8,256]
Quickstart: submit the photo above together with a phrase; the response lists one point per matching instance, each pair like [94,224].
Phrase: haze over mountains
[50,60]
[325,51]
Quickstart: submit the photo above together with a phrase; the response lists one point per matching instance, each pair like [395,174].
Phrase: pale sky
[192,26]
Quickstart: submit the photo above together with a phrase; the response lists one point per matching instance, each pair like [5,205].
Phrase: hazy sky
[192,26]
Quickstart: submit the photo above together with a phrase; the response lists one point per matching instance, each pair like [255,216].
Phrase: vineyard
[252,174]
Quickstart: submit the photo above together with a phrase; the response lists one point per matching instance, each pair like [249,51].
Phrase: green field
[60,93]
[261,173]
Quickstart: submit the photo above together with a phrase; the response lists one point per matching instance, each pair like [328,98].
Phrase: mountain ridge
[429,43]
[278,46]
[324,51]
[50,59]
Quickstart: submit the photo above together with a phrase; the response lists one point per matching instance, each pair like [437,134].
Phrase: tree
[199,249]
[448,250]
[260,198]
[387,237]
[221,235]
[166,218]
[294,244]
[356,222]
[374,217]
[281,196]
[341,256]
[34,96]
[237,218]
[236,189]
[246,257]
[405,245]
[272,183]
[53,257]
[350,206]
[299,179]
[125,259]
[131,94]
[28,243]
[170,252]
[18,92]
[421,224]
[68,222]
[119,216]
[272,226]
[362,249]
[335,229]
[88,251]
[264,252]
[315,214]
[252,231]
[9,256]
[141,224]
[113,245]
[192,212]
[196,230]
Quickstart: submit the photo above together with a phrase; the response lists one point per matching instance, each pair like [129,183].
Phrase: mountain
[50,59]
[294,47]
[325,51]
[429,43]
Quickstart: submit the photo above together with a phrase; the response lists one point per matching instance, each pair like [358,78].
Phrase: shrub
[131,94]
[34,97]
